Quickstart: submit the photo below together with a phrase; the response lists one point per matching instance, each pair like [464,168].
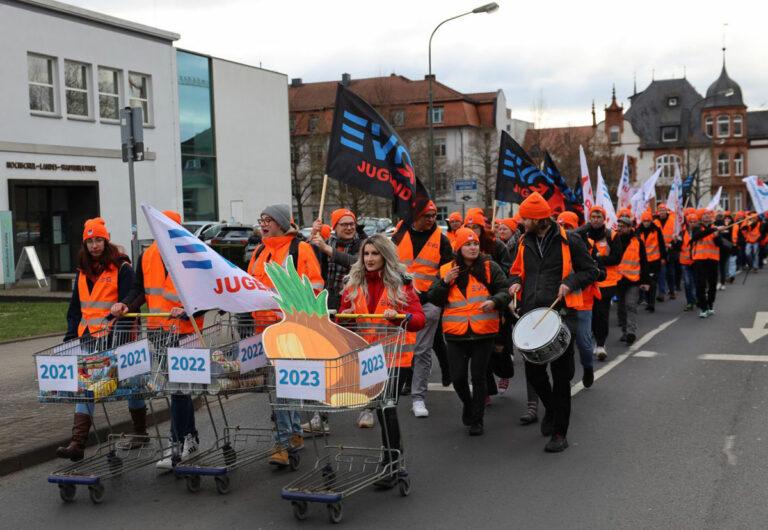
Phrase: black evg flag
[518,176]
[366,152]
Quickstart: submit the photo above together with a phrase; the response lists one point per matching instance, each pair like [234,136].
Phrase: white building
[67,72]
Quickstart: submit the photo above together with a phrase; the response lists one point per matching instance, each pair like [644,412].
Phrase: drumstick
[545,313]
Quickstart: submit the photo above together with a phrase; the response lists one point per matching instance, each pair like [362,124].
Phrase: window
[41,74]
[724,200]
[723,126]
[669,134]
[397,118]
[614,135]
[76,85]
[138,85]
[738,165]
[709,126]
[737,201]
[667,164]
[442,213]
[439,146]
[109,94]
[441,182]
[738,123]
[313,120]
[722,165]
[437,114]
[672,102]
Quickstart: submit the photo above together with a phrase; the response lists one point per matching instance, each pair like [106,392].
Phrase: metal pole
[134,229]
[430,117]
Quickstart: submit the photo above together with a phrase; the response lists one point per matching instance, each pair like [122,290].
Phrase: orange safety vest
[463,312]
[629,267]
[612,271]
[752,233]
[307,266]
[667,229]
[706,249]
[572,299]
[425,267]
[451,235]
[95,304]
[360,306]
[651,242]
[686,255]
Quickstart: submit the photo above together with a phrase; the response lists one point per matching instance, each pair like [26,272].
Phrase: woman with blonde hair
[378,284]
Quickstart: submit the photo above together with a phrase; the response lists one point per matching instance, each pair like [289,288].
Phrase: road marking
[758,329]
[733,357]
[730,441]
[642,341]
[440,388]
[646,354]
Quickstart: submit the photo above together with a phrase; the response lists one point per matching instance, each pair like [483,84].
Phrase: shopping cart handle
[147,315]
[399,316]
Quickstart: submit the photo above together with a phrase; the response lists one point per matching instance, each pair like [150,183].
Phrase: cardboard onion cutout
[307,333]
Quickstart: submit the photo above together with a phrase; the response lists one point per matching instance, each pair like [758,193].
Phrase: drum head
[525,337]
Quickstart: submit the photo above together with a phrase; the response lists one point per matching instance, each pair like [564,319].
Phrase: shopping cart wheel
[96,493]
[67,492]
[230,456]
[300,509]
[294,460]
[335,513]
[404,484]
[222,484]
[193,483]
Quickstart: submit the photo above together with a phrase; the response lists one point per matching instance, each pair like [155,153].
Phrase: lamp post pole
[487,8]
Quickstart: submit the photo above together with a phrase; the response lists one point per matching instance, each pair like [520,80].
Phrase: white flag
[637,203]
[714,204]
[586,185]
[675,200]
[649,186]
[604,200]
[624,192]
[204,279]
[759,193]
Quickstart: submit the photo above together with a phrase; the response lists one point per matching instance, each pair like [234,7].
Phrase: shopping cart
[345,470]
[117,363]
[237,365]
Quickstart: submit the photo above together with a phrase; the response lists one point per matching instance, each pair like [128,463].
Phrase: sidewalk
[31,431]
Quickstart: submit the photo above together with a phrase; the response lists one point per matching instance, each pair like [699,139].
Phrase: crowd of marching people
[465,290]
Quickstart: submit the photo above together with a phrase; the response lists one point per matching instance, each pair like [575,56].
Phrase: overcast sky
[561,53]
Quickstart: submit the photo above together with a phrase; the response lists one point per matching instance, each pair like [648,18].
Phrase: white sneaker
[365,420]
[190,447]
[315,426]
[419,409]
[600,353]
[166,462]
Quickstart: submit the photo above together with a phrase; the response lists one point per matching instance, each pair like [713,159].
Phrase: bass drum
[541,342]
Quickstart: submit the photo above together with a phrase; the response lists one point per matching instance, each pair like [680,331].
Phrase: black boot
[406,376]
[389,480]
[556,444]
[140,437]
[75,451]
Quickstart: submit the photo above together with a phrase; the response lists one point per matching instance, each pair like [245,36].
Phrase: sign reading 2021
[315,358]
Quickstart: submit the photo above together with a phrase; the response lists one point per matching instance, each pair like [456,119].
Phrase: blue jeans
[182,417]
[731,267]
[580,324]
[753,255]
[690,284]
[287,423]
[87,408]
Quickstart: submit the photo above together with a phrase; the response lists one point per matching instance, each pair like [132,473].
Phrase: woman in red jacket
[379,284]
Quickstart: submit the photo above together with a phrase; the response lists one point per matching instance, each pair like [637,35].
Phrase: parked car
[198,228]
[374,225]
[231,241]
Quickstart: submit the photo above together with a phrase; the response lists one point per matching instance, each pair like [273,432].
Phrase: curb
[26,339]
[45,453]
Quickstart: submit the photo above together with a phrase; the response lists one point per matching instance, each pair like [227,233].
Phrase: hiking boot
[75,451]
[296,442]
[140,437]
[279,456]
[556,444]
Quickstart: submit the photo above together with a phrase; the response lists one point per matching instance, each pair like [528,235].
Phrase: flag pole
[322,197]
[493,217]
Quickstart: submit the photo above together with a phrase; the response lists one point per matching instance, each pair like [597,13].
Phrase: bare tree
[483,160]
[308,156]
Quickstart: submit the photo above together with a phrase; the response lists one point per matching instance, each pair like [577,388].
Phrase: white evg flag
[586,185]
[203,278]
[758,191]
[623,191]
[604,199]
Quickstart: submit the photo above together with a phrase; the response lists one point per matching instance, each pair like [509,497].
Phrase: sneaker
[317,426]
[630,338]
[503,385]
[703,313]
[279,456]
[556,444]
[710,312]
[190,447]
[296,442]
[528,418]
[365,420]
[588,378]
[600,353]
[487,401]
[419,409]
[688,307]
[660,298]
[166,462]
[476,429]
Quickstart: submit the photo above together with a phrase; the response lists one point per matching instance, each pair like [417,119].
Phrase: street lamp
[487,8]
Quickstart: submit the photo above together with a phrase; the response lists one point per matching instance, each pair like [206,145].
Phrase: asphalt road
[664,439]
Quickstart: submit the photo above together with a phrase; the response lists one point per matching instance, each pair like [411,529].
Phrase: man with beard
[609,252]
[550,266]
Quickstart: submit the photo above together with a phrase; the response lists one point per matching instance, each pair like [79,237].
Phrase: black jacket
[543,275]
[616,249]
